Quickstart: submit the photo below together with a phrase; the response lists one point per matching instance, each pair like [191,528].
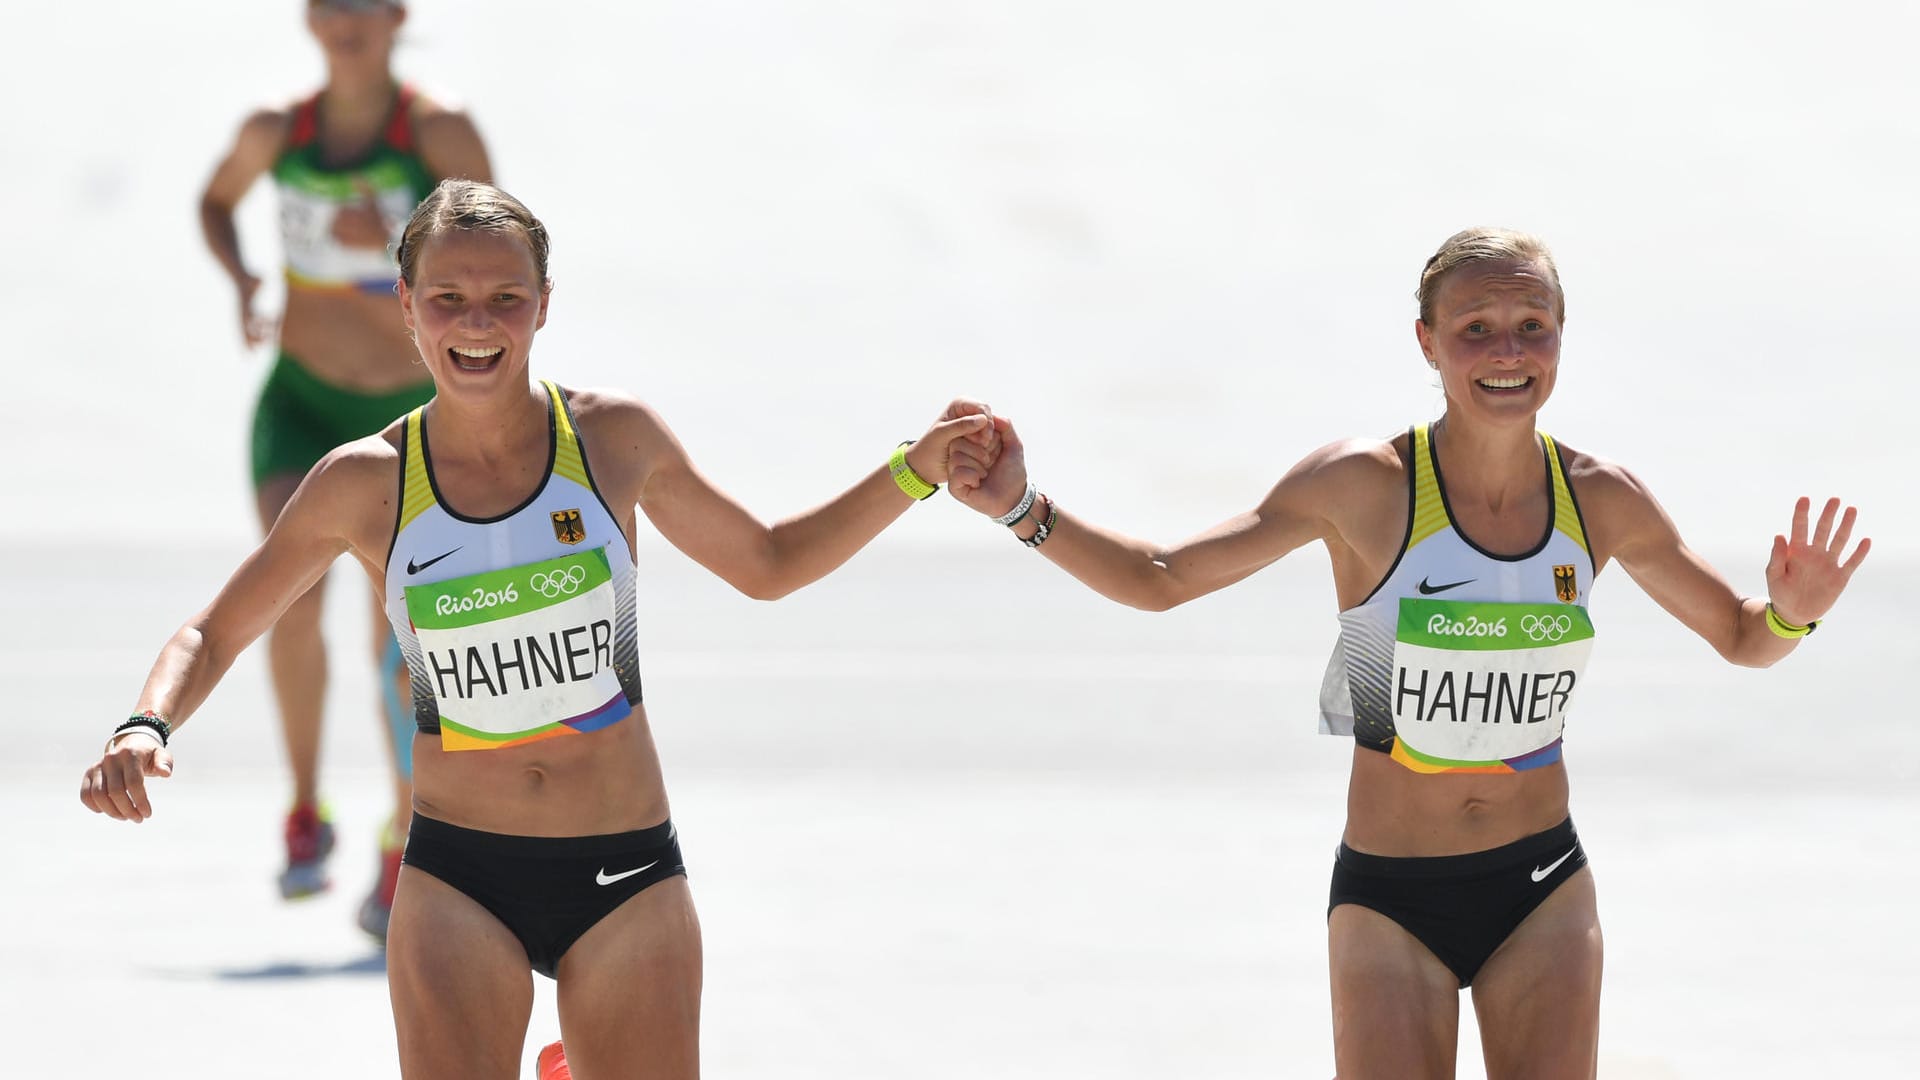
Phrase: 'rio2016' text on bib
[517,653]
[1484,684]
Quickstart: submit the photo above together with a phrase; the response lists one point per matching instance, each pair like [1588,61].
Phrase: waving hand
[1806,574]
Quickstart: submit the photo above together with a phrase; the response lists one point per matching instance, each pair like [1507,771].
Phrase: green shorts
[299,418]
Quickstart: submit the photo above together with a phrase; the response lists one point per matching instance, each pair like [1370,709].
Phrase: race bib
[1484,685]
[521,654]
[306,229]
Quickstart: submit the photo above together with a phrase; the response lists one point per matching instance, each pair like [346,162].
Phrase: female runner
[1464,552]
[498,523]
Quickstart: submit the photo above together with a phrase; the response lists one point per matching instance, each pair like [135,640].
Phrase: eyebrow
[1534,300]
[513,284]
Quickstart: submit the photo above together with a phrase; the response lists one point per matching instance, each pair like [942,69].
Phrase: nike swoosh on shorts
[1542,875]
[605,878]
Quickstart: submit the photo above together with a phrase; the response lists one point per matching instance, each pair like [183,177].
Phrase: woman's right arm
[1149,576]
[252,155]
[325,515]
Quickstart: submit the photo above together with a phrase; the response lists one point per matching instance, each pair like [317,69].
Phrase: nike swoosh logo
[1429,590]
[1541,875]
[414,568]
[605,878]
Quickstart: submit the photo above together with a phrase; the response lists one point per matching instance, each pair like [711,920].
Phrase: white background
[948,814]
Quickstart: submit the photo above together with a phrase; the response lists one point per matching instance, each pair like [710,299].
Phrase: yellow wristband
[909,481]
[1785,629]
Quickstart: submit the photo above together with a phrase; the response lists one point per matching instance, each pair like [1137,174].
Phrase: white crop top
[519,627]
[1462,660]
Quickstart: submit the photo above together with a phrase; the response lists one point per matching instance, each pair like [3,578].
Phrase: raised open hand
[1806,574]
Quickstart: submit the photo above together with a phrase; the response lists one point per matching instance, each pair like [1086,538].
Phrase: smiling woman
[1464,552]
[498,522]
[1477,277]
[483,299]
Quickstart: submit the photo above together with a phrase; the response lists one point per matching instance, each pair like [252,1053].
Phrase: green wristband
[909,481]
[1785,629]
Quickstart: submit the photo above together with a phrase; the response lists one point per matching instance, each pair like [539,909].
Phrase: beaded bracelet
[1785,629]
[146,719]
[915,486]
[1046,525]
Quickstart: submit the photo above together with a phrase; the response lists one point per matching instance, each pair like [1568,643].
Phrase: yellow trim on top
[1429,510]
[568,459]
[416,492]
[1566,517]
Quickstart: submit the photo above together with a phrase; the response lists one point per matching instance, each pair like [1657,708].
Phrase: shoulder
[1352,488]
[352,469]
[1354,464]
[263,136]
[624,440]
[433,114]
[351,492]
[1619,510]
[443,128]
[432,103]
[613,412]
[1350,494]
[617,425]
[265,130]
[1600,483]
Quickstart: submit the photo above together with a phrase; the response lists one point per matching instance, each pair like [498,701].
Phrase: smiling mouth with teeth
[475,359]
[1514,383]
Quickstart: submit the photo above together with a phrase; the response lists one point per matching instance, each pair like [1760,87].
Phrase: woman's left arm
[767,562]
[1805,575]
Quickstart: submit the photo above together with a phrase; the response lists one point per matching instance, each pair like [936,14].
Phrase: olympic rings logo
[561,582]
[1545,627]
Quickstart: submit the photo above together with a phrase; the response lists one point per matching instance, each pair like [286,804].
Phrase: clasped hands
[983,465]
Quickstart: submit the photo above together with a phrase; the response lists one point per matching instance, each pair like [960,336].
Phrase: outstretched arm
[311,532]
[1140,573]
[1806,573]
[767,562]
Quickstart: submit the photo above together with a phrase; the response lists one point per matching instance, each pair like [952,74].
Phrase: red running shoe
[552,1063]
[377,909]
[309,834]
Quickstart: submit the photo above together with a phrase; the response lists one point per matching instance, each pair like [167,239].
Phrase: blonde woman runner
[498,523]
[1464,552]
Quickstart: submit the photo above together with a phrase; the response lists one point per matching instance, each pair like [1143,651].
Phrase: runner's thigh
[630,990]
[1396,1007]
[461,987]
[1538,996]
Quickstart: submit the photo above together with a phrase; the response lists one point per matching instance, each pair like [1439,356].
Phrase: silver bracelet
[1020,511]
